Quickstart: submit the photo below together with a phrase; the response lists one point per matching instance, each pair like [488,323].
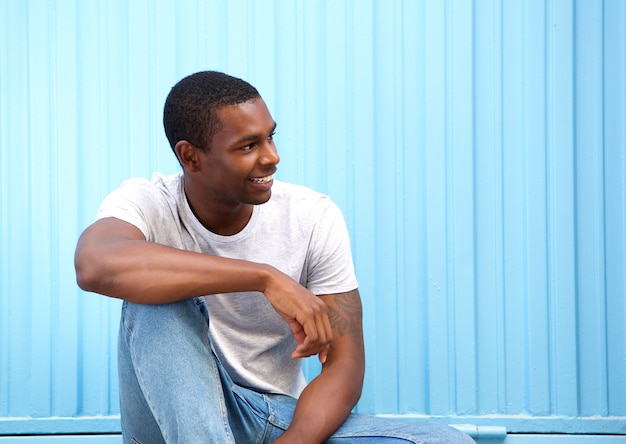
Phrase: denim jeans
[173,389]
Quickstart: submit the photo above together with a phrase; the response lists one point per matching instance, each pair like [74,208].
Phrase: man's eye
[248,147]
[271,136]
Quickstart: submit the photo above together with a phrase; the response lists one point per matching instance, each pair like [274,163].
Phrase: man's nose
[270,154]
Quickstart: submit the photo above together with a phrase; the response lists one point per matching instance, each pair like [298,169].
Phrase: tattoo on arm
[345,314]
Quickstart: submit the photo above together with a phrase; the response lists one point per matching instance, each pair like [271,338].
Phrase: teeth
[262,179]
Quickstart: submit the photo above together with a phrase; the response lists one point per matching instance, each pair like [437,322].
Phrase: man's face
[242,158]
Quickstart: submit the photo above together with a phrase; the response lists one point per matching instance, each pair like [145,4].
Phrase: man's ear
[187,154]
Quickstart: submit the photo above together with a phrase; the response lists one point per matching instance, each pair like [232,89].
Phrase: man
[229,278]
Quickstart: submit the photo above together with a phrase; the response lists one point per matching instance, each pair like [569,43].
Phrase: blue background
[477,149]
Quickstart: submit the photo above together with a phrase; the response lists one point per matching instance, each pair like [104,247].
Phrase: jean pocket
[281,409]
[252,400]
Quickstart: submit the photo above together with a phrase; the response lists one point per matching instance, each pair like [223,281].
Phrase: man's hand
[305,313]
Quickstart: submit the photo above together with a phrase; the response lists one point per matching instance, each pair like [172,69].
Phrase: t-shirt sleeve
[330,269]
[133,202]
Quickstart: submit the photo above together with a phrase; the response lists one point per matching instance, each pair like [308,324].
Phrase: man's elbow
[84,280]
[88,275]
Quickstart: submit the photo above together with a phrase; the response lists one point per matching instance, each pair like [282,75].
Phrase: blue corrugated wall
[477,149]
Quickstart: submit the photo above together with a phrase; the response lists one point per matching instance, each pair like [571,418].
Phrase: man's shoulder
[143,202]
[158,185]
[157,180]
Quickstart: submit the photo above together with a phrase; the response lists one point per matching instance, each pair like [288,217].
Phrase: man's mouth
[265,179]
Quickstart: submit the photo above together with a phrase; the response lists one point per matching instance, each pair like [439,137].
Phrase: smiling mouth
[265,179]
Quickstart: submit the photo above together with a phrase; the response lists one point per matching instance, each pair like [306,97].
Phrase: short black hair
[190,111]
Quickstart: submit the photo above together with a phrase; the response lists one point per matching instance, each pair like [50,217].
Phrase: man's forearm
[145,272]
[328,400]
[325,404]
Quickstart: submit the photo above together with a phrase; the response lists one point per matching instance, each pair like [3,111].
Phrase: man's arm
[113,258]
[327,401]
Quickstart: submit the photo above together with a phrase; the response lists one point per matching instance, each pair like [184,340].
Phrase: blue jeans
[173,389]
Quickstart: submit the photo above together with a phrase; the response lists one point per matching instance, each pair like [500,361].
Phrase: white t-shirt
[298,231]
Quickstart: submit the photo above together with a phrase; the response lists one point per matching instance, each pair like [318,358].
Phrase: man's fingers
[297,331]
[327,326]
[324,354]
[309,346]
[307,317]
[318,335]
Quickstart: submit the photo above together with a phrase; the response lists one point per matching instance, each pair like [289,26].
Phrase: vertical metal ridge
[384,156]
[601,274]
[614,97]
[5,337]
[550,404]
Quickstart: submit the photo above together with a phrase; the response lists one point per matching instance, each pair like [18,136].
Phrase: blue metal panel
[477,148]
